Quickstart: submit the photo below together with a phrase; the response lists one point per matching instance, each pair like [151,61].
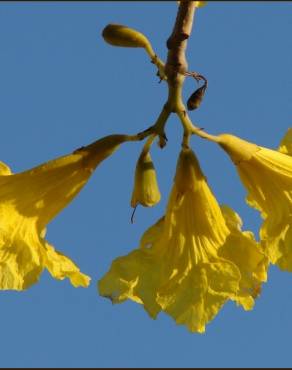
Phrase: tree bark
[177,42]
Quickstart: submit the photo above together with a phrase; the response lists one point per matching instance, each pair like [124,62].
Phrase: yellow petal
[196,299]
[242,249]
[286,143]
[152,234]
[21,260]
[4,169]
[134,277]
[60,267]
[29,200]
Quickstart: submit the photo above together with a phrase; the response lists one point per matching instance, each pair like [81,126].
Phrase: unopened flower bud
[196,98]
[119,35]
[146,191]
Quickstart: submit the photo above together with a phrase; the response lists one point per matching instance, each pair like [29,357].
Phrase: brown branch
[177,42]
[176,69]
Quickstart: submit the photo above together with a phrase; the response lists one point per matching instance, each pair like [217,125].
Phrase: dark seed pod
[196,98]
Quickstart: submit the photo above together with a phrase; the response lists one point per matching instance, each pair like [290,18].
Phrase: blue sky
[63,87]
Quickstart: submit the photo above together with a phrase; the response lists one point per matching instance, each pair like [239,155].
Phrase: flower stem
[190,128]
[176,69]
[158,62]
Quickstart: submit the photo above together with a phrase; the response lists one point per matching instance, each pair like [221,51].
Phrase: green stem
[190,128]
[159,126]
[174,72]
[176,68]
[148,144]
[158,62]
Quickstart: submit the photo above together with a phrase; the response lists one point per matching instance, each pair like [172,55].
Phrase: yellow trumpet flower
[192,260]
[267,176]
[29,201]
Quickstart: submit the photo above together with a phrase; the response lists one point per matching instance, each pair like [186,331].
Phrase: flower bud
[119,35]
[196,98]
[146,191]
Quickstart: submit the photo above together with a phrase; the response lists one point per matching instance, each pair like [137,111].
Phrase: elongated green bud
[146,191]
[119,35]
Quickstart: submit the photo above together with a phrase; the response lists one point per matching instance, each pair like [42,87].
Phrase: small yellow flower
[267,176]
[29,201]
[192,260]
[146,191]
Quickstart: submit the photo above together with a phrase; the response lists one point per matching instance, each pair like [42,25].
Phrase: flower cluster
[196,257]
